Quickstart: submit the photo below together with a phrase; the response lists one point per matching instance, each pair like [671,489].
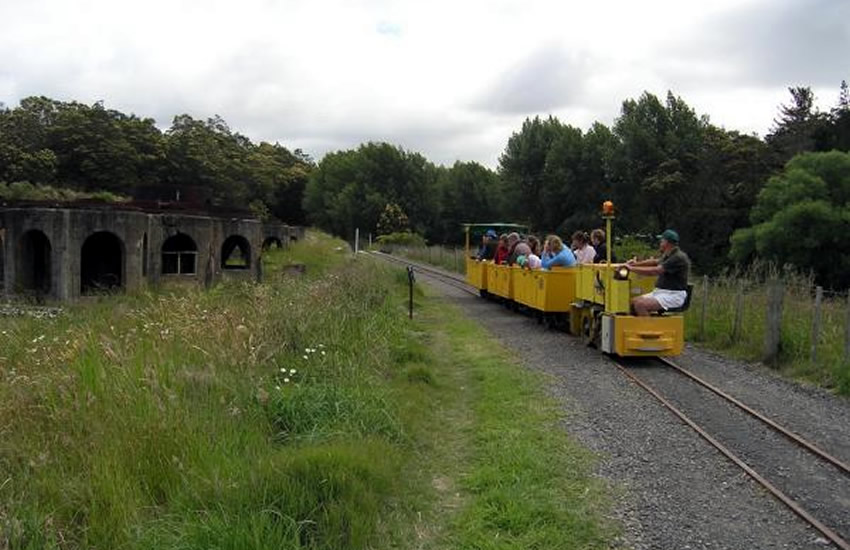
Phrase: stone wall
[63,253]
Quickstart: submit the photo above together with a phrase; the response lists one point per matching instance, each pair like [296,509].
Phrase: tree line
[90,148]
[661,163]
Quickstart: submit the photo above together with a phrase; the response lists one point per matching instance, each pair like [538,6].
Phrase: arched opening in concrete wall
[272,242]
[179,255]
[101,263]
[34,262]
[235,253]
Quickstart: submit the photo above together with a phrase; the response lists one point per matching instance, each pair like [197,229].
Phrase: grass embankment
[306,412]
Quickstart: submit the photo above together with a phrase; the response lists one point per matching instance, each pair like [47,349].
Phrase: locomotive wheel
[591,328]
[586,327]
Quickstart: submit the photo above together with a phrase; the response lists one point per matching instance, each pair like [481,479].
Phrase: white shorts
[669,299]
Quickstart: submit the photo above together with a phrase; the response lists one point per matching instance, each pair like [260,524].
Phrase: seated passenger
[671,288]
[597,239]
[582,249]
[488,246]
[502,250]
[533,258]
[518,247]
[555,254]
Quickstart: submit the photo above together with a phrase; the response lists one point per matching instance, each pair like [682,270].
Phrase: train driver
[672,268]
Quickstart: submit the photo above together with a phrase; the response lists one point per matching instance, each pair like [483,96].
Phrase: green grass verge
[304,413]
[505,466]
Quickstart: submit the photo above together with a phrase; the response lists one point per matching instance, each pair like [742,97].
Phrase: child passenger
[533,259]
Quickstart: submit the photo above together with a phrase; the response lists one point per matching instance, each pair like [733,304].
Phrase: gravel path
[672,489]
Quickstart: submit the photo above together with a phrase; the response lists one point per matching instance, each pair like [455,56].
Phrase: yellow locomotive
[591,301]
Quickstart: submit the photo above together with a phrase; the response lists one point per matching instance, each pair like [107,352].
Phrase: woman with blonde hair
[555,254]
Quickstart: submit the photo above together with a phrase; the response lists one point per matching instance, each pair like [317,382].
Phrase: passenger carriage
[591,301]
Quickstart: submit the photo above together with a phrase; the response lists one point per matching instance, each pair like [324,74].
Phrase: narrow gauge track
[819,489]
[825,459]
[455,281]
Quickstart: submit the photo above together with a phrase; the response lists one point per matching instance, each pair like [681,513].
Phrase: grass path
[503,473]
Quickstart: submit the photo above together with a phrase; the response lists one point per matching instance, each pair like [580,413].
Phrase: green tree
[393,220]
[277,178]
[467,193]
[522,170]
[208,154]
[798,127]
[733,168]
[657,161]
[104,149]
[349,189]
[801,217]
[838,130]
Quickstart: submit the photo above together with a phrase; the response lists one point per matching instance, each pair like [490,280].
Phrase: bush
[633,246]
[404,238]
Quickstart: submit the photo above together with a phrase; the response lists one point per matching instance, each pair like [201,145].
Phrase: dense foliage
[801,217]
[90,148]
[661,163]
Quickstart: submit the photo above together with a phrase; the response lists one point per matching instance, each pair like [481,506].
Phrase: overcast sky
[451,79]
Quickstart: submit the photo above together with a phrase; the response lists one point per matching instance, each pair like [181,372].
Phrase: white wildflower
[286,380]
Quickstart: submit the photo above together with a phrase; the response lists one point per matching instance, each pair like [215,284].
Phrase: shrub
[404,238]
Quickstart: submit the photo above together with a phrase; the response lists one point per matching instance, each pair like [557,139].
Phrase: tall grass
[831,368]
[251,416]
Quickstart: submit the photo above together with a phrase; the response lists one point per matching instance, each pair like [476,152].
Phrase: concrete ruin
[60,252]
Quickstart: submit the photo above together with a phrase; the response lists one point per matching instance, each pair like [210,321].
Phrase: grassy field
[306,412]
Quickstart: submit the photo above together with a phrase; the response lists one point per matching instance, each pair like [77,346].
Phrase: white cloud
[449,79]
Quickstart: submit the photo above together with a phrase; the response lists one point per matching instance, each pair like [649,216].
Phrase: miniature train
[591,301]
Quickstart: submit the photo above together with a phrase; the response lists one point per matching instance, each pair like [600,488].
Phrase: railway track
[821,482]
[456,281]
[794,492]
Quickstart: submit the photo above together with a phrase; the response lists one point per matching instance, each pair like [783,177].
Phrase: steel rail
[784,431]
[785,499]
[456,282]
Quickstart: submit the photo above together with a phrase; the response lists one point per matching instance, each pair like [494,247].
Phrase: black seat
[687,303]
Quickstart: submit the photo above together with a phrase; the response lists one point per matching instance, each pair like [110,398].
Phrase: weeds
[297,414]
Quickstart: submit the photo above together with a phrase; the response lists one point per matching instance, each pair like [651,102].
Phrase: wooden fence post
[816,323]
[739,312]
[773,321]
[457,264]
[704,305]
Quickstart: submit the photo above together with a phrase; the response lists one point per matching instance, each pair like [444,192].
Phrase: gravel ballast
[672,489]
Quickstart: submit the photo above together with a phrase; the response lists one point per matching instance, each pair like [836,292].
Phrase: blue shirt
[564,258]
